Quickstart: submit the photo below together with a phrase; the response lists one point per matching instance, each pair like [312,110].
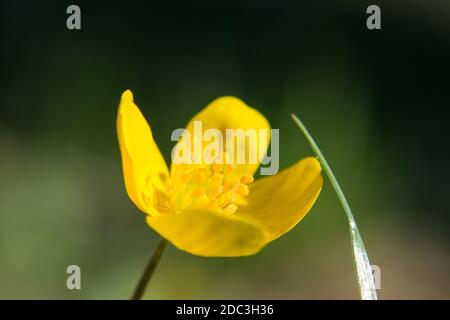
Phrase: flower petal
[232,113]
[282,200]
[211,233]
[144,168]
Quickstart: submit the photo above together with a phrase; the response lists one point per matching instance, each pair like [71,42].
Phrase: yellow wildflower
[213,209]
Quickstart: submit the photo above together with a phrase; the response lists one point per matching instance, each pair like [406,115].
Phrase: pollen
[198,192]
[242,190]
[216,186]
[247,179]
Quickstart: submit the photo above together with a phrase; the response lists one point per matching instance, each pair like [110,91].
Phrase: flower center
[208,185]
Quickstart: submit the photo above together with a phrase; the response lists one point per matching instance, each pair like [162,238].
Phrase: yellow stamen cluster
[201,185]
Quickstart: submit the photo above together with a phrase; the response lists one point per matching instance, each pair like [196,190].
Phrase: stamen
[217,167]
[231,208]
[199,176]
[242,190]
[217,185]
[198,192]
[247,179]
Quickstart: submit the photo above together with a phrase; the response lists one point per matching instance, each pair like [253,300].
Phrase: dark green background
[377,103]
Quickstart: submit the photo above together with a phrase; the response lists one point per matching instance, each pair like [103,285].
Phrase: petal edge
[281,201]
[144,168]
[211,233]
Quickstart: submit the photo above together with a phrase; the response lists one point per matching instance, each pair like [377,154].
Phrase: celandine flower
[213,210]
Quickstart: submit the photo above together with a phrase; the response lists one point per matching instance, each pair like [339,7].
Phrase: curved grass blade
[362,265]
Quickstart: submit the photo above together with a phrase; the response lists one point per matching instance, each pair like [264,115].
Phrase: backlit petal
[232,113]
[144,168]
[211,233]
[282,200]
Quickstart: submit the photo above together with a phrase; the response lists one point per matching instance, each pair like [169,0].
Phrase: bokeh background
[377,103]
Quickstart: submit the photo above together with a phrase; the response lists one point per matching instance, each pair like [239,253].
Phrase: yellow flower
[213,210]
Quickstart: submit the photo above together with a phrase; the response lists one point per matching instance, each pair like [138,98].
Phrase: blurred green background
[377,103]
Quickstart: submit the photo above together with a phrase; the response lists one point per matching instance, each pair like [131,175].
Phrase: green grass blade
[362,265]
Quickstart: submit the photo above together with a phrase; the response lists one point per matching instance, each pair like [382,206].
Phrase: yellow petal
[232,113]
[282,200]
[144,168]
[211,233]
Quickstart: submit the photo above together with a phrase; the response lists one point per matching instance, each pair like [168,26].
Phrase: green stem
[362,265]
[149,270]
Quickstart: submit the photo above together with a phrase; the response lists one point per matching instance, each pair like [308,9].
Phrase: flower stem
[362,265]
[149,270]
